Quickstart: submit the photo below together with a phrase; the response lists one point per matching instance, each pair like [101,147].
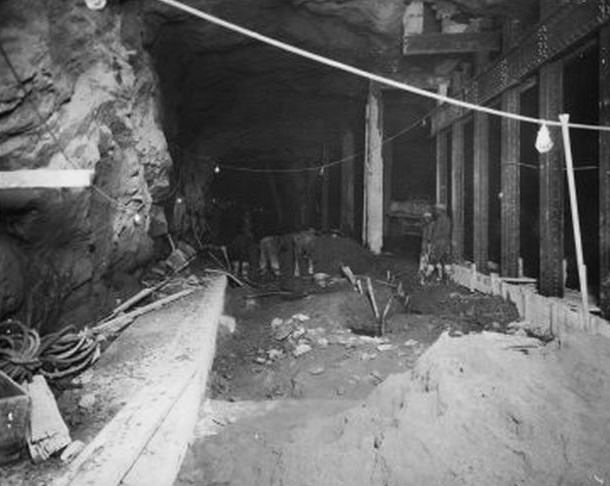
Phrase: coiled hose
[63,354]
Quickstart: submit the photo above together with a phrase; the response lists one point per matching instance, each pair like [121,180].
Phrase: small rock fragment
[301,349]
[87,401]
[317,370]
[411,342]
[323,342]
[300,317]
[276,322]
[385,347]
[275,353]
[228,323]
[260,360]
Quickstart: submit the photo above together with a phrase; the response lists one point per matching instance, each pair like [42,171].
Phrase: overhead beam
[462,43]
[45,178]
[557,32]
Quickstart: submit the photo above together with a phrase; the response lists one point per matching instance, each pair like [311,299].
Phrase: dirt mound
[482,409]
[330,252]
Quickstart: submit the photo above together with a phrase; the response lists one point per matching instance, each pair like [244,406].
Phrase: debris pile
[486,408]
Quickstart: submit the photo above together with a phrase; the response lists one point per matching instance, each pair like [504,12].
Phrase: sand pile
[487,409]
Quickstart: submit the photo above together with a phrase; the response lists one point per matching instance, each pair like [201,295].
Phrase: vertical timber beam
[325,190]
[441,168]
[481,189]
[457,181]
[347,183]
[511,197]
[604,170]
[372,227]
[388,164]
[551,185]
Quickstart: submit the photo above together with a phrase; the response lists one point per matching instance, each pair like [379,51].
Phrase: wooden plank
[45,178]
[551,185]
[511,203]
[604,171]
[553,36]
[457,192]
[481,190]
[439,43]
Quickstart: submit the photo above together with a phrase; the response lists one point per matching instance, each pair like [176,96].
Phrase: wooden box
[14,417]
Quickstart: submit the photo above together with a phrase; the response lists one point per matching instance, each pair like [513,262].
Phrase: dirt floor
[452,393]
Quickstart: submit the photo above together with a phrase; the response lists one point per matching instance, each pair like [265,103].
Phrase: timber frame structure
[563,28]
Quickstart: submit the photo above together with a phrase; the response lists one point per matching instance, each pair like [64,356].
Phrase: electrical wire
[368,75]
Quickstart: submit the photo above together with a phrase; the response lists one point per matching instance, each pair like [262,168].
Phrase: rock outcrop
[77,90]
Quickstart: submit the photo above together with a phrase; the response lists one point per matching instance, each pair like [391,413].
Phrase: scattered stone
[87,401]
[275,353]
[496,325]
[372,340]
[283,331]
[455,295]
[260,360]
[317,370]
[276,322]
[411,342]
[228,323]
[385,347]
[298,333]
[322,342]
[521,333]
[300,317]
[367,356]
[301,349]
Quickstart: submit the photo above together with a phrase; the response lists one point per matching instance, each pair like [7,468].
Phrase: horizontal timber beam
[467,42]
[568,24]
[45,178]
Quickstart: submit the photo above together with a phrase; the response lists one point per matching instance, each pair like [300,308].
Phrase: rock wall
[86,97]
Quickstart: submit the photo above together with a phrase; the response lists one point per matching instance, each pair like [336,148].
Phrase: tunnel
[304,242]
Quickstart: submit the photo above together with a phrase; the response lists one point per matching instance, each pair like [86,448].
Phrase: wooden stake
[582,274]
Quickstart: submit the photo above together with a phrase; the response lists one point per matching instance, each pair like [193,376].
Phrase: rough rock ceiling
[234,99]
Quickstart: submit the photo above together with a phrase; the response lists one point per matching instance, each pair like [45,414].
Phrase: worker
[436,245]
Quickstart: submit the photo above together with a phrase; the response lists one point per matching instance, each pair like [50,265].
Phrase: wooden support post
[441,168]
[347,183]
[511,202]
[372,227]
[388,164]
[481,189]
[604,170]
[551,185]
[325,190]
[457,192]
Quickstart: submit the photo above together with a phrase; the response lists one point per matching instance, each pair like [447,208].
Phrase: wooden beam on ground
[481,189]
[439,43]
[457,192]
[551,185]
[604,170]
[511,199]
[45,178]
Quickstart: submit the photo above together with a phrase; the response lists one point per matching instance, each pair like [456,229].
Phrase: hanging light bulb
[544,143]
[216,169]
[321,173]
[137,219]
